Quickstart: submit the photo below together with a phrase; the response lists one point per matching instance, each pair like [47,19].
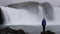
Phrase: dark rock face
[19,32]
[8,30]
[48,32]
[1,17]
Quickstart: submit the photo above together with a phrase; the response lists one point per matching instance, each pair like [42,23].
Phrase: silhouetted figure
[43,24]
[48,31]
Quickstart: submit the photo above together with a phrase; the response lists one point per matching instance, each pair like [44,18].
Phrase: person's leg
[43,28]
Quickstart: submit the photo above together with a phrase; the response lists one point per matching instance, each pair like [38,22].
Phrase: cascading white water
[23,17]
[20,17]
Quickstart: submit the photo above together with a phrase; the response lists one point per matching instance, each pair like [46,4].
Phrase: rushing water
[31,16]
[27,16]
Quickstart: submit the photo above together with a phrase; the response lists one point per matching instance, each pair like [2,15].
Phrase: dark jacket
[43,22]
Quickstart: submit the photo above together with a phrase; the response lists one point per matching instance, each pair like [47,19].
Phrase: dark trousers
[43,27]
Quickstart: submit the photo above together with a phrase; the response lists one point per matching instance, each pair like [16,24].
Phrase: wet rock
[48,32]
